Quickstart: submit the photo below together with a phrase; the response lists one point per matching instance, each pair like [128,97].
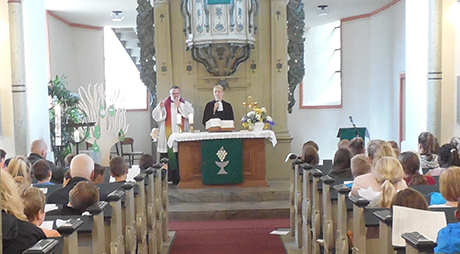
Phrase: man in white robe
[166,115]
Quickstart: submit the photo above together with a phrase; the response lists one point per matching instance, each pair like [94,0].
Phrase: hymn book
[407,220]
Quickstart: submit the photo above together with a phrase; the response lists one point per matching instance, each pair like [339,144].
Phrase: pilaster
[276,168]
[163,45]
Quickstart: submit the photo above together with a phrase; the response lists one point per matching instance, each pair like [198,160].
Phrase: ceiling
[97,12]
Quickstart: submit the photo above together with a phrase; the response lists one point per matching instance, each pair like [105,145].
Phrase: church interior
[381,69]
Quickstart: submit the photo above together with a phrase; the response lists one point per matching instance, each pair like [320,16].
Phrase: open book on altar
[407,220]
[215,124]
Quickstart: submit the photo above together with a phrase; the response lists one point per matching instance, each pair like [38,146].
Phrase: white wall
[373,56]
[36,60]
[7,140]
[78,53]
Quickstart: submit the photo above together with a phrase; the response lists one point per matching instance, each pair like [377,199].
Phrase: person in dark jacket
[81,169]
[39,150]
[218,108]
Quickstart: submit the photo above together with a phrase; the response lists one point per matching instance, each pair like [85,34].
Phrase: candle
[178,118]
[190,118]
[57,124]
[76,136]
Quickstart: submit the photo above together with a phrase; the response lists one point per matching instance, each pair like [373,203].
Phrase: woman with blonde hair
[20,166]
[448,186]
[381,184]
[18,234]
[11,201]
[382,150]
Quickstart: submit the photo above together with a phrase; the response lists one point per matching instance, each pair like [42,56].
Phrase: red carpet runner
[227,237]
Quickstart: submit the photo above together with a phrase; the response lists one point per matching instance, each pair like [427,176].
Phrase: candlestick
[57,124]
[76,136]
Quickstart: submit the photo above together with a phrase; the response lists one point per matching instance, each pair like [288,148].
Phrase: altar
[252,157]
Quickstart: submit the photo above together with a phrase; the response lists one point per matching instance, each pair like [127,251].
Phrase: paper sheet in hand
[47,224]
[406,220]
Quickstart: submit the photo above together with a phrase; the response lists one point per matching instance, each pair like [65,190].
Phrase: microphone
[354,126]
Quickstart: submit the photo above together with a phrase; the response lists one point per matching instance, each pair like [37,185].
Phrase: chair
[131,156]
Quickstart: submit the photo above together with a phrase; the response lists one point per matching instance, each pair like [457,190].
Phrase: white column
[434,82]
[18,77]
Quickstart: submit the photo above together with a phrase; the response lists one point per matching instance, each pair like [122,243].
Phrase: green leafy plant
[71,115]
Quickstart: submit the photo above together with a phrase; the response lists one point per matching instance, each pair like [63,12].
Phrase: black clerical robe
[225,114]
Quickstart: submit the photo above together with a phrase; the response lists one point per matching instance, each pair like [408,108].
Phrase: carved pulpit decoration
[220,33]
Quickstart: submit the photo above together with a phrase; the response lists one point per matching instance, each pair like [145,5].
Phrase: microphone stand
[354,126]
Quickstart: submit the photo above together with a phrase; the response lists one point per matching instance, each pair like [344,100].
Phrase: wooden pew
[164,199]
[316,211]
[129,218]
[69,235]
[385,227]
[306,209]
[292,180]
[91,235]
[141,215]
[44,246]
[385,222]
[152,222]
[417,243]
[328,242]
[341,244]
[298,203]
[116,223]
[359,226]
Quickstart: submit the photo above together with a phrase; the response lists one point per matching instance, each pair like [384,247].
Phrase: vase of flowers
[259,116]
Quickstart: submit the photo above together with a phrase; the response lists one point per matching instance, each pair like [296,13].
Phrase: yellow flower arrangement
[257,115]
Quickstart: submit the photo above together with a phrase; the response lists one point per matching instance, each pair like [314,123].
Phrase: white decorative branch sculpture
[110,121]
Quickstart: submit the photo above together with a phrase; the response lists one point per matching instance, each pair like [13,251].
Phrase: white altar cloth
[196,136]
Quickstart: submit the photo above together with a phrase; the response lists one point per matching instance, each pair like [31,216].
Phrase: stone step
[230,203]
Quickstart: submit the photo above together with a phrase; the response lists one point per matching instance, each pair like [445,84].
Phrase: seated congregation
[348,206]
[80,208]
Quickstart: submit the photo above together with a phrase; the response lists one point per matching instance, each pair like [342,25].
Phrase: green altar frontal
[222,161]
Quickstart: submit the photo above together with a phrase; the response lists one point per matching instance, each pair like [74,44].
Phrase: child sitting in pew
[118,169]
[146,161]
[98,175]
[82,196]
[341,164]
[360,165]
[34,208]
[449,187]
[42,172]
[447,156]
[409,198]
[411,166]
[448,239]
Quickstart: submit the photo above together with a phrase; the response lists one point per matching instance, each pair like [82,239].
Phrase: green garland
[146,36]
[295,30]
